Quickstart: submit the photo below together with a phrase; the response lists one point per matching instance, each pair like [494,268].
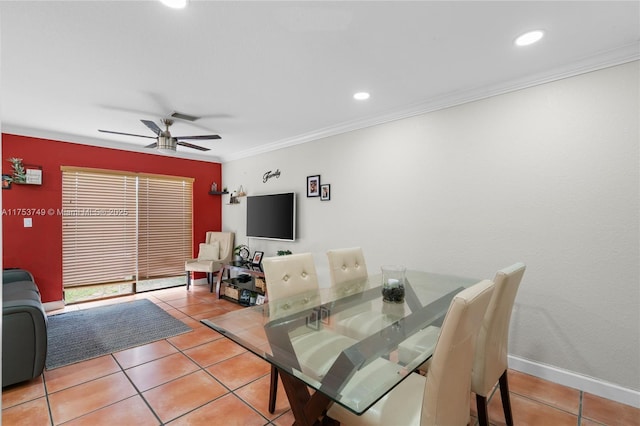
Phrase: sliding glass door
[123,232]
[164,231]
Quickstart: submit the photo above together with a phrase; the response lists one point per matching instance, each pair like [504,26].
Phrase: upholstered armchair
[212,255]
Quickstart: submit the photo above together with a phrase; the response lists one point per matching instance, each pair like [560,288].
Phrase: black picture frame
[313,186]
[256,260]
[325,192]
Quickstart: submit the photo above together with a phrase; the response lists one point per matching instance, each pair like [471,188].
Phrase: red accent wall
[39,248]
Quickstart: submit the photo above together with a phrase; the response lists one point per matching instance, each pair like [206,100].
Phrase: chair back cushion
[448,384]
[289,275]
[346,264]
[209,251]
[492,346]
[226,241]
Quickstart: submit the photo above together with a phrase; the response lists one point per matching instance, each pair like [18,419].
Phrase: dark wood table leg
[273,389]
[307,409]
[220,273]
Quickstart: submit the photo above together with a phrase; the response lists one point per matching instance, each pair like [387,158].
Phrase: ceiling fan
[163,138]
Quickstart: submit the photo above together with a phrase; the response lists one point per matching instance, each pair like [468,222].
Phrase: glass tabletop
[345,341]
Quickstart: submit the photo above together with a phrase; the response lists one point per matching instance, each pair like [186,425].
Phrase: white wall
[546,175]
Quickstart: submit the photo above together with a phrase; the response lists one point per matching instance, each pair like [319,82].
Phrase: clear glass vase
[393,280]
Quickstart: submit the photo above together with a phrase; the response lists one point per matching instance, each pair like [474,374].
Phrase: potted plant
[283,252]
[241,253]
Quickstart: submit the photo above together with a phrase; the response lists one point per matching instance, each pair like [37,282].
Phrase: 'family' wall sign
[270,174]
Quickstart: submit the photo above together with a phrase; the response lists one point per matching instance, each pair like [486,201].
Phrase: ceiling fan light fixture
[166,143]
[529,38]
[164,140]
[175,4]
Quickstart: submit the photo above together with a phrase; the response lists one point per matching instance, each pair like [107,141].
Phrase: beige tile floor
[202,378]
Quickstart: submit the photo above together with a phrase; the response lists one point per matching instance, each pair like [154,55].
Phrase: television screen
[272,216]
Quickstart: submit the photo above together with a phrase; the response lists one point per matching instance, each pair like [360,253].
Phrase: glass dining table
[344,343]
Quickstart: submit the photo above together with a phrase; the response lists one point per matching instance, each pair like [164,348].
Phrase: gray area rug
[89,333]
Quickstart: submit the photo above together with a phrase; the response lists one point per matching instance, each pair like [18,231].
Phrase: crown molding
[102,143]
[605,59]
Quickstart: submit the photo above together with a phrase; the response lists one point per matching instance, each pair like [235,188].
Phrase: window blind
[98,228]
[164,226]
[118,226]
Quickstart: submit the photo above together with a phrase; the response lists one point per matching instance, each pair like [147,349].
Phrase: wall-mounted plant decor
[19,173]
[26,174]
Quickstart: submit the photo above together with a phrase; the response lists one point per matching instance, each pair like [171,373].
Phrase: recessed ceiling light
[529,38]
[175,4]
[361,96]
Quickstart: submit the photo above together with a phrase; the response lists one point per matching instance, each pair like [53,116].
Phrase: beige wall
[546,175]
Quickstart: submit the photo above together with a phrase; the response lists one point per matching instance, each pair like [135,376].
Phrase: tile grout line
[136,388]
[46,396]
[580,408]
[204,369]
[231,391]
[201,368]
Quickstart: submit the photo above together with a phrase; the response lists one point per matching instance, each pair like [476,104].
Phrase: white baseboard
[52,306]
[577,381]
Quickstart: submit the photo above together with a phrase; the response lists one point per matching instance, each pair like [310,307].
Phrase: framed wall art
[257,258]
[325,192]
[313,186]
[33,175]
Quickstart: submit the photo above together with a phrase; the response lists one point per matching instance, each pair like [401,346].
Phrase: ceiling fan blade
[198,138]
[126,134]
[153,145]
[153,126]
[189,145]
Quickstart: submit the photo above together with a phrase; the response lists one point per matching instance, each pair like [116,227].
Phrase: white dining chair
[346,267]
[285,277]
[490,363]
[346,264]
[443,396]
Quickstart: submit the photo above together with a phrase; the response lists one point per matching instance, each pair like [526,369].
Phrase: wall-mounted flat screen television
[272,216]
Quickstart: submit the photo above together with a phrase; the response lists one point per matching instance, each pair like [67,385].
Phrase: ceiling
[266,75]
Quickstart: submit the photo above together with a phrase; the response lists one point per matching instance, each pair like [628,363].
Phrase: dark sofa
[24,328]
